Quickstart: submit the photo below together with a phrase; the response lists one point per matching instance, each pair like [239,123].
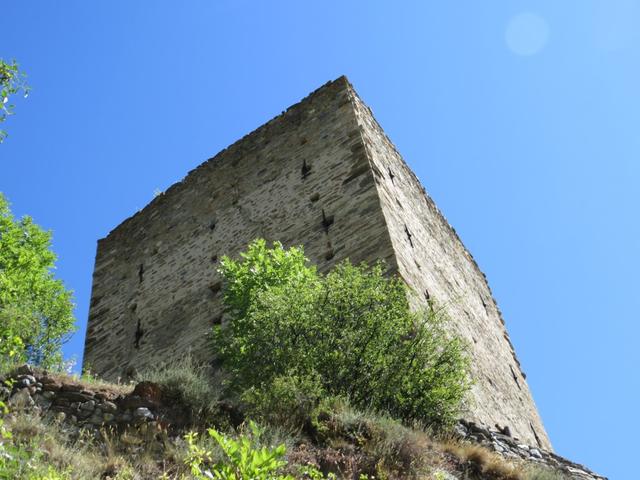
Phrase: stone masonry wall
[322,174]
[82,405]
[435,264]
[303,178]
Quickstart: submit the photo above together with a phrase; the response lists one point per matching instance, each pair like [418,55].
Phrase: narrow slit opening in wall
[327,221]
[138,335]
[130,372]
[306,169]
[141,273]
[535,434]
[215,288]
[391,175]
[329,254]
[409,235]
[515,377]
[235,191]
[484,304]
[212,225]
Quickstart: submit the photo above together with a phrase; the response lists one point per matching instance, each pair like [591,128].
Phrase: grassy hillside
[328,440]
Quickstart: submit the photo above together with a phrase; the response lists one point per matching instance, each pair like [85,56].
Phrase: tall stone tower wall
[303,178]
[324,175]
[435,264]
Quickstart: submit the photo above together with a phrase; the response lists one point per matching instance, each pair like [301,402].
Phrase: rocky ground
[510,447]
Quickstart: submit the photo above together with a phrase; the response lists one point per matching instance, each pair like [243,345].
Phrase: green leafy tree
[35,309]
[12,82]
[352,328]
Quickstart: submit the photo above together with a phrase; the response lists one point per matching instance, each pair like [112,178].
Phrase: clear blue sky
[521,118]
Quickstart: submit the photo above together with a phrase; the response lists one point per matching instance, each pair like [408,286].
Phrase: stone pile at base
[510,447]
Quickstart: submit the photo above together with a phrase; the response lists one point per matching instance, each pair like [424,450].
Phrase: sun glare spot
[527,34]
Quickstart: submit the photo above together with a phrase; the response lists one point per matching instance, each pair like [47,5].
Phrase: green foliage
[5,435]
[187,382]
[286,402]
[313,473]
[261,269]
[11,348]
[351,328]
[396,450]
[243,458]
[12,81]
[35,309]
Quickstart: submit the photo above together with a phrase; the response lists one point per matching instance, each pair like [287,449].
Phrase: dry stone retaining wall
[78,403]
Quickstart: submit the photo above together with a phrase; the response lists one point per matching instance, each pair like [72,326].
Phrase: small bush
[393,448]
[189,383]
[352,327]
[243,458]
[287,402]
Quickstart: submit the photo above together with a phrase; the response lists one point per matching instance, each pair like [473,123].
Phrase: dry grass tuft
[479,460]
[94,383]
[189,383]
[384,447]
[85,454]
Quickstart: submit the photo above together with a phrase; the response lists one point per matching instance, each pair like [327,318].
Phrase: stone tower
[322,174]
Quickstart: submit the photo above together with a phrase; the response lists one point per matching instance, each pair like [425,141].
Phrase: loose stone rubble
[510,447]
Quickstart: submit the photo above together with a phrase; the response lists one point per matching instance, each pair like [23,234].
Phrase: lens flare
[527,34]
